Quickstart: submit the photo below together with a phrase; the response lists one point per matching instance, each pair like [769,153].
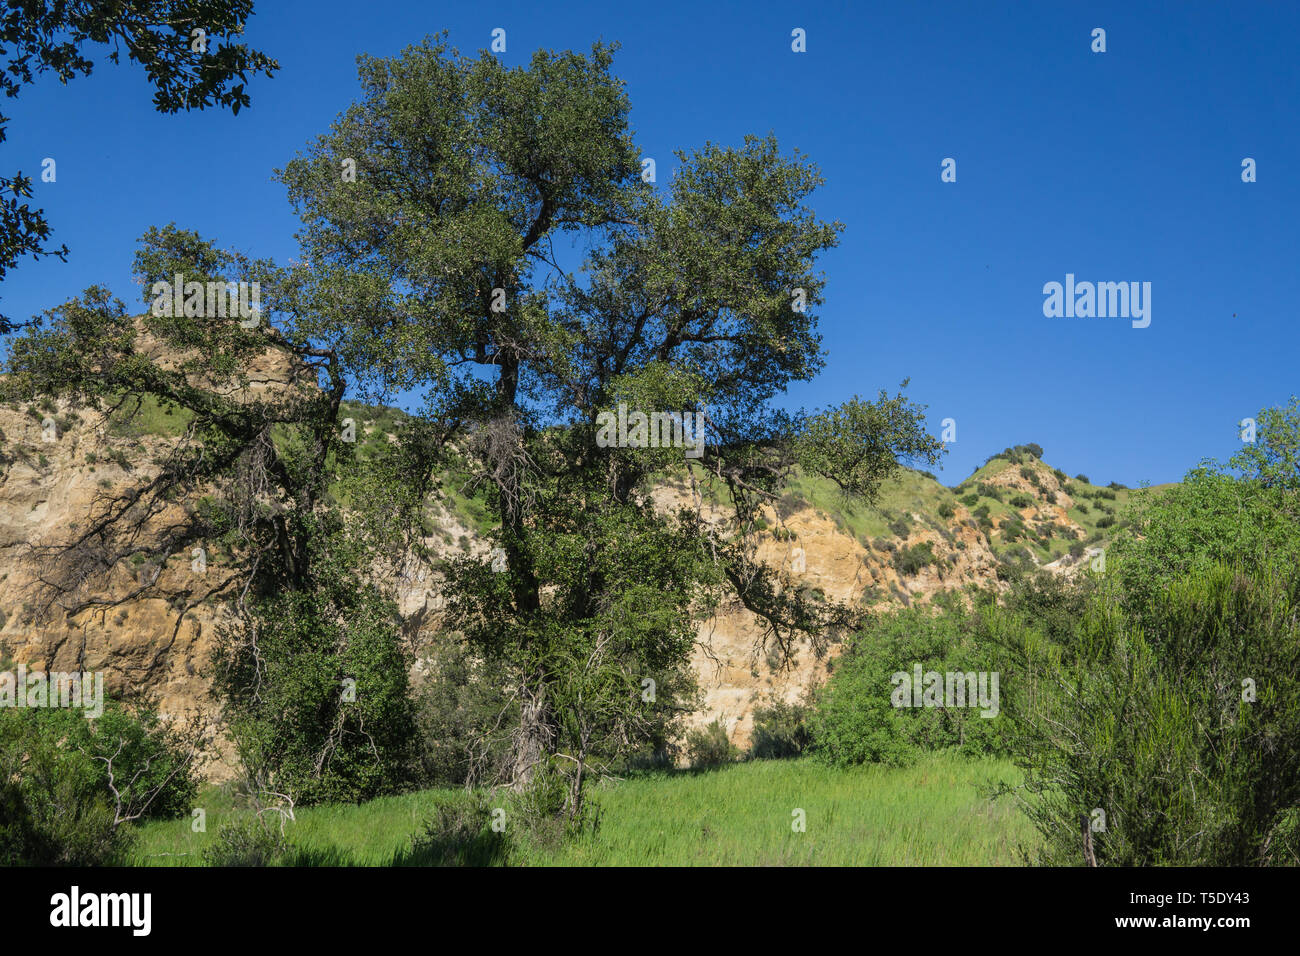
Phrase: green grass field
[936,812]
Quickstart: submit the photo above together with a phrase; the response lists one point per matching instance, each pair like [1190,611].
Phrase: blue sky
[1115,166]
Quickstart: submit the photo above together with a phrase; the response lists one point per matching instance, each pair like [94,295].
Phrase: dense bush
[1181,722]
[319,706]
[780,731]
[909,561]
[250,841]
[710,746]
[1014,530]
[946,510]
[1021,501]
[855,720]
[56,806]
[456,710]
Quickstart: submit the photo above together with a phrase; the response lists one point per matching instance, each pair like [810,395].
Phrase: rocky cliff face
[159,644]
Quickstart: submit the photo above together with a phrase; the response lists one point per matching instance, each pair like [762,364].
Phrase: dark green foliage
[1021,501]
[1169,697]
[286,696]
[909,561]
[970,500]
[56,805]
[1082,479]
[1148,724]
[457,709]
[780,731]
[1013,530]
[710,746]
[1017,454]
[1105,521]
[946,510]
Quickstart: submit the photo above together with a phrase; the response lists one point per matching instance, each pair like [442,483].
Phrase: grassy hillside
[1011,501]
[934,813]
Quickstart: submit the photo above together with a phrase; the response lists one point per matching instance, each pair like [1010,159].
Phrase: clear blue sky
[1122,166]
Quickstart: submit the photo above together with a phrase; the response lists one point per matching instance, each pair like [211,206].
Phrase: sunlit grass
[936,813]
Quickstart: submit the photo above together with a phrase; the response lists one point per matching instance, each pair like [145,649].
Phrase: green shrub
[296,721]
[456,709]
[855,720]
[461,834]
[1139,711]
[1021,501]
[251,841]
[970,500]
[710,746]
[1083,479]
[910,561]
[780,731]
[56,805]
[946,510]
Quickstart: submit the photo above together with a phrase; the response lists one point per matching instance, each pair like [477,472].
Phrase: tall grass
[936,812]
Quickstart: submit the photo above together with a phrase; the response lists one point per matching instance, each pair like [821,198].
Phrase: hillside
[921,537]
